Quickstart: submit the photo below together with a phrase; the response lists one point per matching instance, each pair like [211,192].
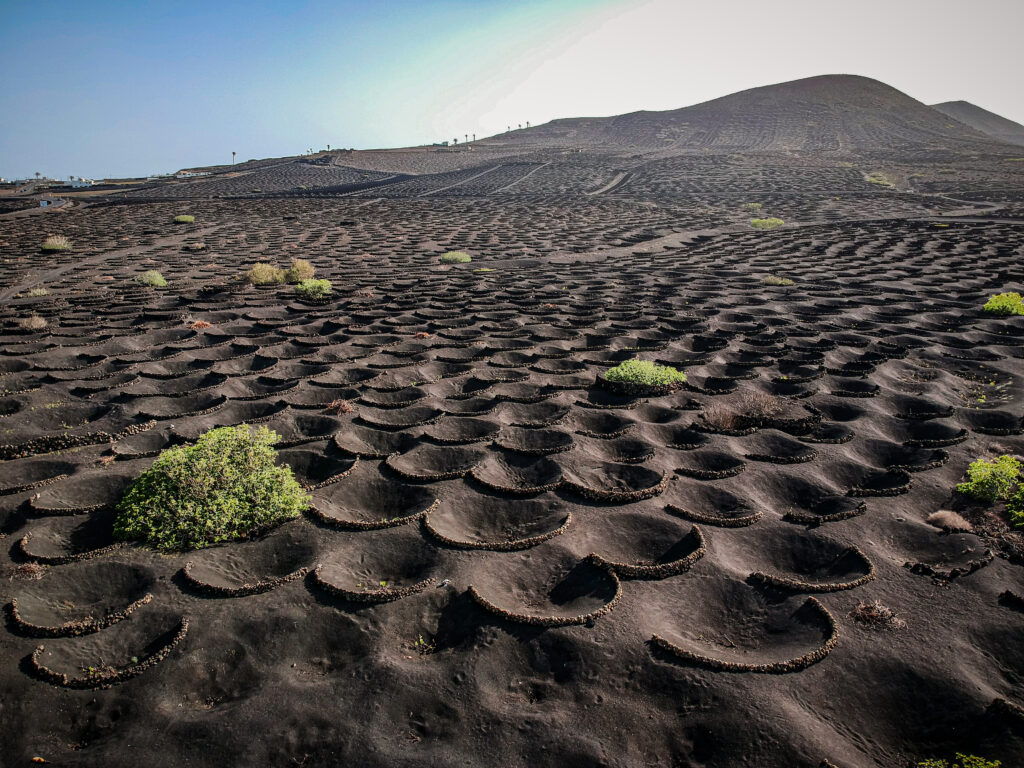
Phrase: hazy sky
[137,87]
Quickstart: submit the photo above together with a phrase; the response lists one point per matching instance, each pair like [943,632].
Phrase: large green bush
[456,257]
[1005,304]
[226,486]
[991,480]
[645,372]
[184,219]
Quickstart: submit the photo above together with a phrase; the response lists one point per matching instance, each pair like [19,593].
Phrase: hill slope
[996,126]
[831,113]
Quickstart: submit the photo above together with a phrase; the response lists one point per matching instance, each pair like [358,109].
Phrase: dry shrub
[874,614]
[57,243]
[265,274]
[32,323]
[365,293]
[422,335]
[743,410]
[299,270]
[720,416]
[153,279]
[198,325]
[339,407]
[27,572]
[106,461]
[949,520]
[760,404]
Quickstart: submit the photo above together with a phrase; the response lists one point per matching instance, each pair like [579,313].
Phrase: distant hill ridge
[996,126]
[838,113]
[843,116]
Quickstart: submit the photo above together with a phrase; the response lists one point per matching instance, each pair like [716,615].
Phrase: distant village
[76,182]
[45,182]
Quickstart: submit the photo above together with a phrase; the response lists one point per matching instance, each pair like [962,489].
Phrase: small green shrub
[645,372]
[752,206]
[1005,304]
[961,761]
[56,243]
[299,270]
[775,280]
[152,278]
[184,219]
[265,274]
[456,257]
[313,289]
[879,179]
[770,223]
[991,480]
[224,487]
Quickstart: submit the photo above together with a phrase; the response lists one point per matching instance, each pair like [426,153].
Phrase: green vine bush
[313,289]
[961,761]
[645,372]
[991,481]
[227,486]
[1005,304]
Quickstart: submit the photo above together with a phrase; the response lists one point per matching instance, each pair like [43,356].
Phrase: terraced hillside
[510,557]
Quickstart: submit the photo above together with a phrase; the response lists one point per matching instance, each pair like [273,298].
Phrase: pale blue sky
[130,88]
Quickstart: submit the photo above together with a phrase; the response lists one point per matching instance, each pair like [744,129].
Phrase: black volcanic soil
[507,563]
